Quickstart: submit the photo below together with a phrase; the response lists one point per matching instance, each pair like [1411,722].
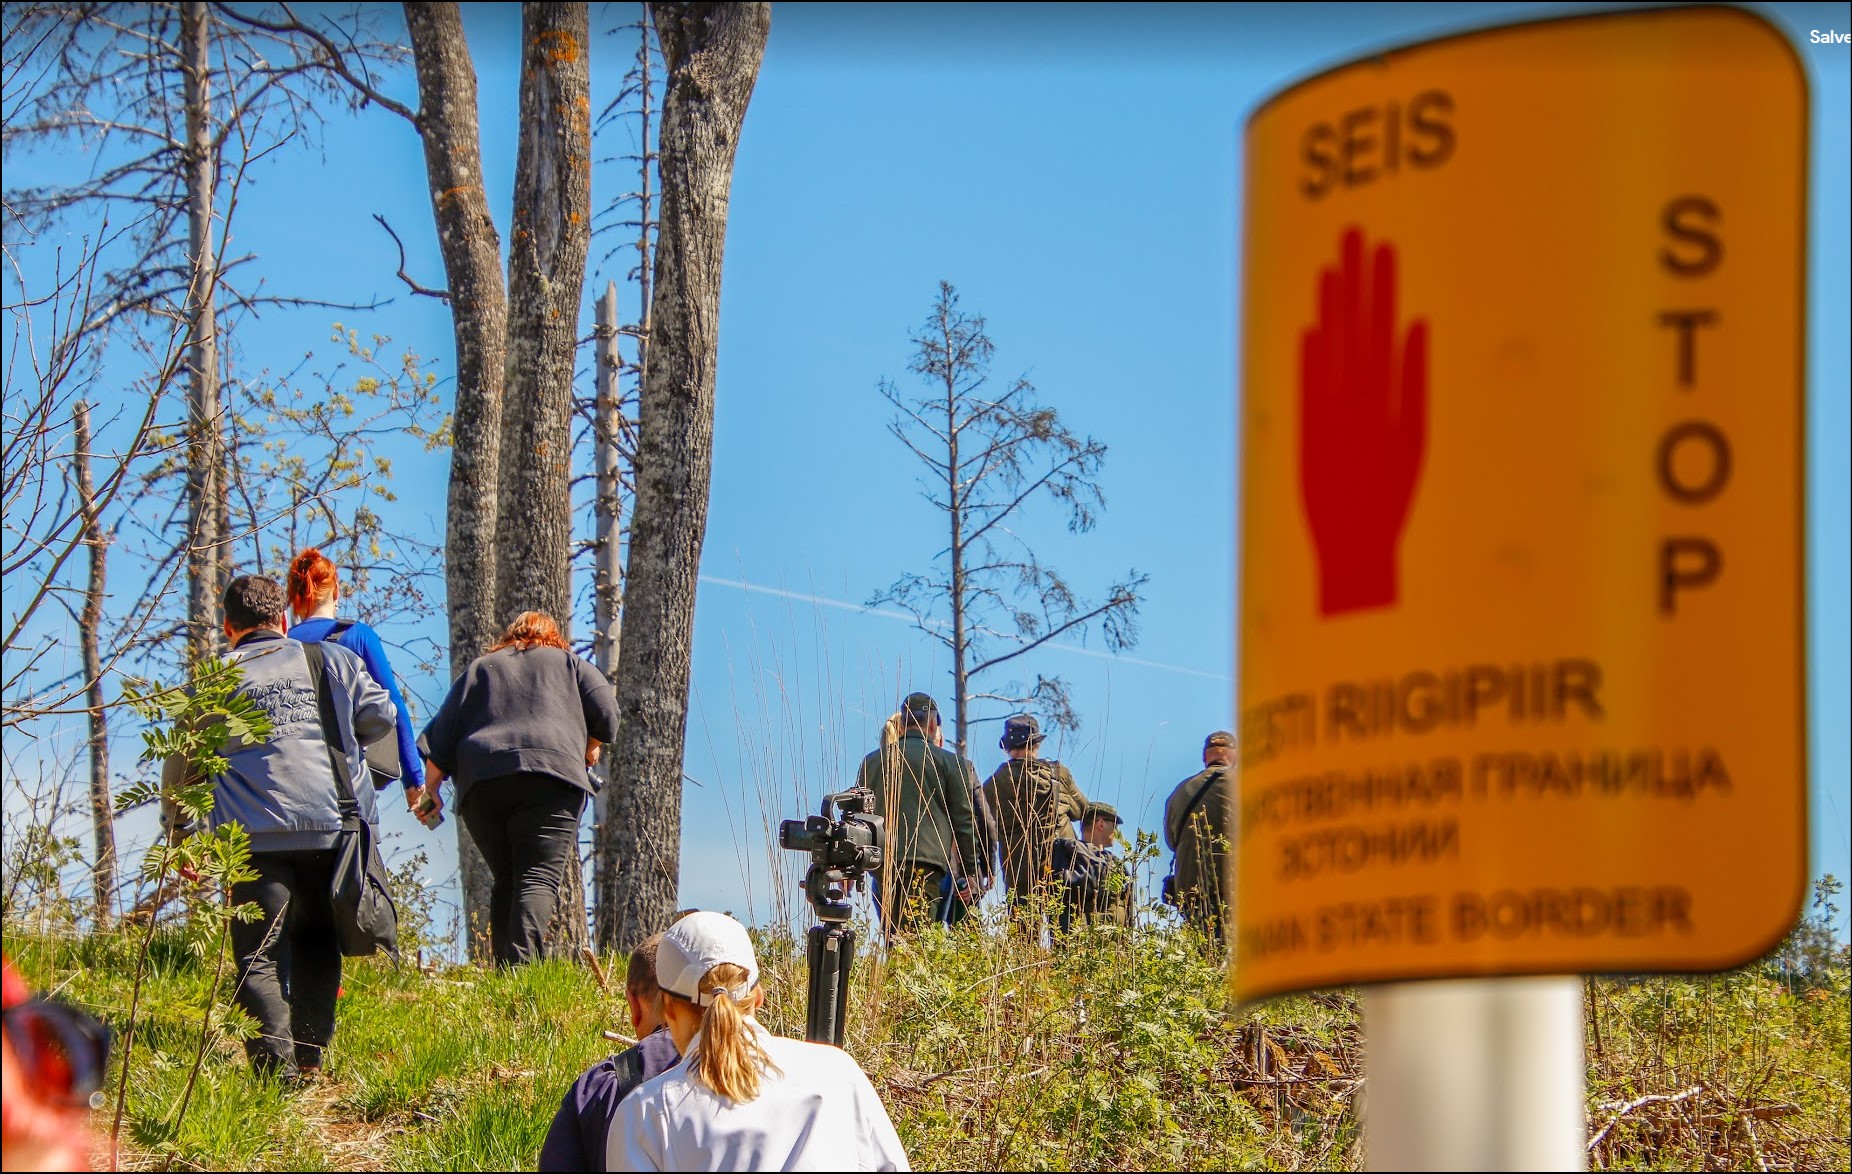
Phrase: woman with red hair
[517,734]
[314,591]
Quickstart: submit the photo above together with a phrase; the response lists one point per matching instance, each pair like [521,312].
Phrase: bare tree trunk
[608,577]
[712,52]
[207,529]
[961,678]
[102,805]
[607,582]
[646,252]
[610,581]
[447,122]
[546,283]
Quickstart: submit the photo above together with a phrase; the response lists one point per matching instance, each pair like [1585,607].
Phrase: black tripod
[842,853]
[831,949]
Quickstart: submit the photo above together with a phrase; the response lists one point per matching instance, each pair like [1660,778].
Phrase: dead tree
[989,454]
[712,54]
[89,630]
[608,567]
[613,428]
[208,531]
[49,374]
[176,100]
[607,572]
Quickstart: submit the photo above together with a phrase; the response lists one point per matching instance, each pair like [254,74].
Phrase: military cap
[918,708]
[1021,730]
[1219,738]
[1101,811]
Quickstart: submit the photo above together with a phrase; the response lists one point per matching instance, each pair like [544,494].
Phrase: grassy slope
[1110,1052]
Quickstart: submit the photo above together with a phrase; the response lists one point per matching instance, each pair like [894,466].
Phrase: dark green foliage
[193,725]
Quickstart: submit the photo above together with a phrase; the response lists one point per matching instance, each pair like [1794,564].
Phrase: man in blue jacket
[579,1136]
[283,792]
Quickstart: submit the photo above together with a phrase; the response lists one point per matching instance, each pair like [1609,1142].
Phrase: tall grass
[1112,1050]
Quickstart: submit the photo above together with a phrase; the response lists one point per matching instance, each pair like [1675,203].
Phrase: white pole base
[1475,1074]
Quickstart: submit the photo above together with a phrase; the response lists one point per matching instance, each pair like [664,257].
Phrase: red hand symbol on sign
[1363,418]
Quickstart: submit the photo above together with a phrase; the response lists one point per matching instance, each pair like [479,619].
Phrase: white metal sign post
[1475,1074]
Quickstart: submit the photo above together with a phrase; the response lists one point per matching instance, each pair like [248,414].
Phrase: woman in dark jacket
[517,734]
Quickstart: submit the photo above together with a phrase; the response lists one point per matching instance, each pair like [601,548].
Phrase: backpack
[1081,866]
[1039,791]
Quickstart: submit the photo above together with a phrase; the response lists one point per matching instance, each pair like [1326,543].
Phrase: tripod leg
[845,958]
[821,957]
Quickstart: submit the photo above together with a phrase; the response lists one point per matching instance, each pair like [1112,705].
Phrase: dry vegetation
[1111,1050]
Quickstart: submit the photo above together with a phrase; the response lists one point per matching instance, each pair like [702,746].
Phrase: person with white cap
[743,1098]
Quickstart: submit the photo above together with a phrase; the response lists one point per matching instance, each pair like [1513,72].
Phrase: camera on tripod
[843,849]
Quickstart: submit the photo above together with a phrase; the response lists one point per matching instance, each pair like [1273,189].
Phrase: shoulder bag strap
[627,1071]
[331,730]
[1183,820]
[339,629]
[1194,800]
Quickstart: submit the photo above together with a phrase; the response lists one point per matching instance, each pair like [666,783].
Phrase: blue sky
[1075,172]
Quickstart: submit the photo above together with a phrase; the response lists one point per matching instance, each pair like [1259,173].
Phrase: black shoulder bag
[1170,894]
[383,761]
[365,919]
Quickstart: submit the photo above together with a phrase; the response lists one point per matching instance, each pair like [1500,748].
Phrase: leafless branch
[336,61]
[442,295]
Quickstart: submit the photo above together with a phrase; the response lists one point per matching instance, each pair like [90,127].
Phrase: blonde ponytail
[729,1058]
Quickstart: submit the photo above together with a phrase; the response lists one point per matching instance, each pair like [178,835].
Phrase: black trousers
[916,899]
[527,826]
[289,959]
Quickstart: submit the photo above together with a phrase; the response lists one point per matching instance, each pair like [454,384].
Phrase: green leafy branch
[193,725]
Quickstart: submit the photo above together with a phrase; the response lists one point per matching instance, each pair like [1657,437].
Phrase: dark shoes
[301,1078]
[290,1078]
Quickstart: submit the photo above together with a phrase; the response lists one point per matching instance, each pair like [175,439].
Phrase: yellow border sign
[1522,662]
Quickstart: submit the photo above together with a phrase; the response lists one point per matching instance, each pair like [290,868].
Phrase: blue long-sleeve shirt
[364,642]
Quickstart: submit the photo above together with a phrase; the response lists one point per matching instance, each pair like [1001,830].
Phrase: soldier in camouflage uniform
[1035,802]
[1097,888]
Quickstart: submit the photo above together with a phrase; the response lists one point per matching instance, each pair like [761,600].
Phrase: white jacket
[815,1111]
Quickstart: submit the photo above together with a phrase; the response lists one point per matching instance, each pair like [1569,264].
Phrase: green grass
[1113,1051]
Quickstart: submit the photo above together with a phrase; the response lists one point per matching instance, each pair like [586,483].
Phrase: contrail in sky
[844,605]
[803,597]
